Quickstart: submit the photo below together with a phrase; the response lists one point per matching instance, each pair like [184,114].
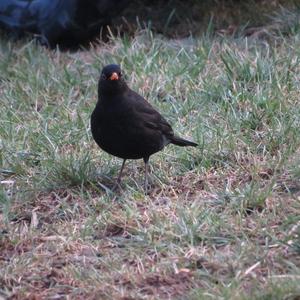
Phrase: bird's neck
[109,94]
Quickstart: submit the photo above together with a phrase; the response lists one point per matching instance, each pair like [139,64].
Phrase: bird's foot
[116,186]
[147,189]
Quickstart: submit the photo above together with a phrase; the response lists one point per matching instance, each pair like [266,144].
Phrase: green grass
[222,220]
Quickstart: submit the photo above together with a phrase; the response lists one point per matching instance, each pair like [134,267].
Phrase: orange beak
[114,76]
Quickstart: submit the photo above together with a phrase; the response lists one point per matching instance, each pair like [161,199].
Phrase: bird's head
[111,80]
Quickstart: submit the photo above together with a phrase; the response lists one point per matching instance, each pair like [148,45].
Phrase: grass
[221,221]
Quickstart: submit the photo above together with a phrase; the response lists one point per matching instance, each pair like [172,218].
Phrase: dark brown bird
[125,125]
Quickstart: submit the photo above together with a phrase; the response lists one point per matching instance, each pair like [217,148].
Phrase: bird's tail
[176,140]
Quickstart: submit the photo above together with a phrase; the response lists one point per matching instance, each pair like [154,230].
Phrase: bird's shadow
[106,185]
[103,184]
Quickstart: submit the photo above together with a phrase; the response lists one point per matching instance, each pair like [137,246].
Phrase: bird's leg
[120,175]
[146,160]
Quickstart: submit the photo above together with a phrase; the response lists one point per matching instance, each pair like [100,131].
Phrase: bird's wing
[150,117]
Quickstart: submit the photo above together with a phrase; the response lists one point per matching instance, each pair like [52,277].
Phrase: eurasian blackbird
[125,125]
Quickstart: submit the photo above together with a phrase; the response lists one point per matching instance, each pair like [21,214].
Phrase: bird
[126,125]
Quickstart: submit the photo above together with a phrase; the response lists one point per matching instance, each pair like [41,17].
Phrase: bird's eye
[103,76]
[120,74]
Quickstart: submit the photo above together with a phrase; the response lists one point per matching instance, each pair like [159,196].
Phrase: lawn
[221,221]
